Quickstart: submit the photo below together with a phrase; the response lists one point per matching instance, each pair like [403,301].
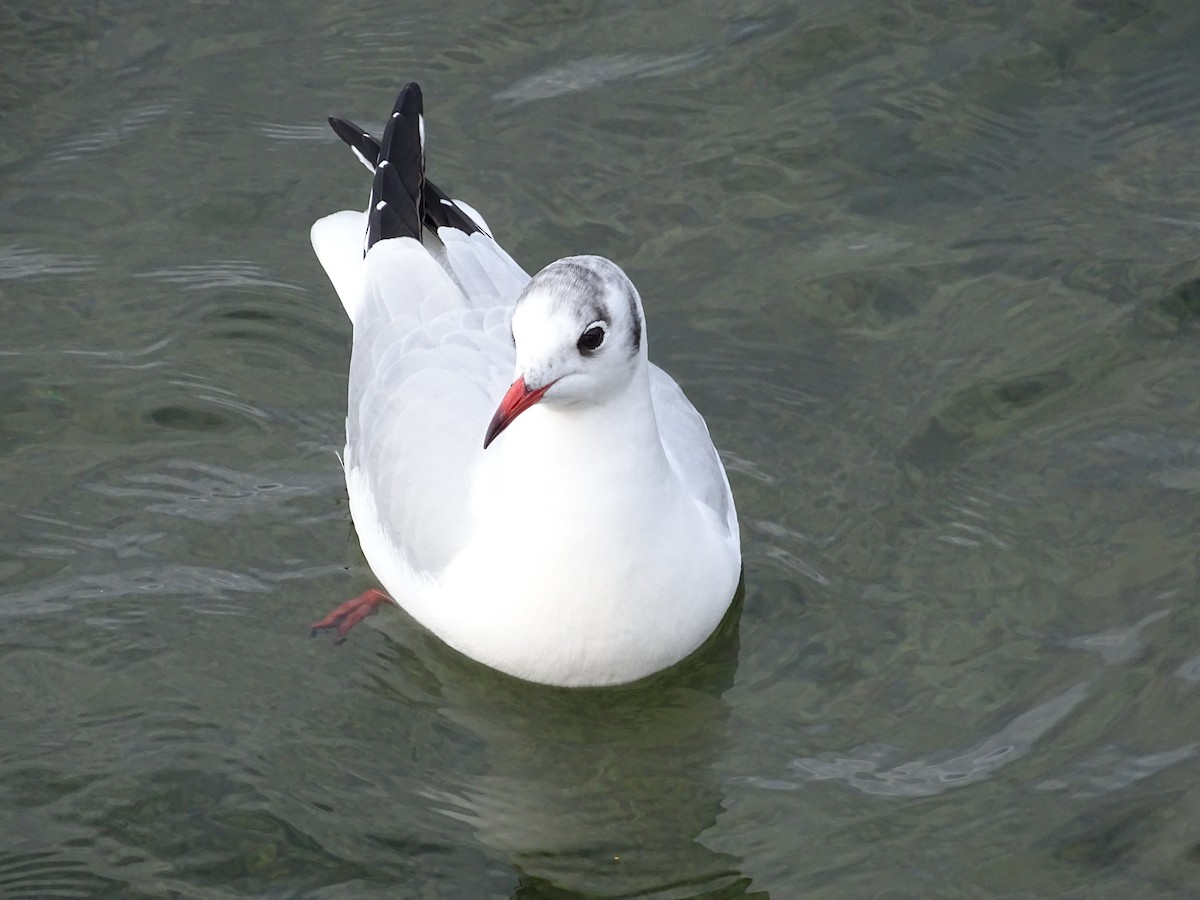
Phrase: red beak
[518,399]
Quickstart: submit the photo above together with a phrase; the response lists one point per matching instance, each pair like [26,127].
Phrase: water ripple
[1163,96]
[281,132]
[743,466]
[38,874]
[1115,768]
[208,493]
[21,262]
[1190,670]
[584,74]
[195,582]
[63,539]
[220,274]
[112,134]
[976,516]
[1119,645]
[957,768]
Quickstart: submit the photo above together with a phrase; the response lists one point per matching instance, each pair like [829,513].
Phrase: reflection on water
[600,792]
[929,270]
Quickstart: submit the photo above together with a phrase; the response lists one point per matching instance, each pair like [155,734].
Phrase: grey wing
[487,275]
[419,406]
[432,356]
[689,448]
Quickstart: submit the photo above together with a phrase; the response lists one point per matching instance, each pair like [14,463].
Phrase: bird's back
[429,293]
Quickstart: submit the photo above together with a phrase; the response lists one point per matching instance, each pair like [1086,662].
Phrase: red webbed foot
[351,613]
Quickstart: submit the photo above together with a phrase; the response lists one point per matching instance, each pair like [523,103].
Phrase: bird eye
[591,339]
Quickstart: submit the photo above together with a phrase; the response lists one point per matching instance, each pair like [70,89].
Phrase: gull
[524,482]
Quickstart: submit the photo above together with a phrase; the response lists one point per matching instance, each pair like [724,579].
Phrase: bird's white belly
[568,605]
[571,619]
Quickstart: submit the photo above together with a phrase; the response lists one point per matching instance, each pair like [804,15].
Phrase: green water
[930,270]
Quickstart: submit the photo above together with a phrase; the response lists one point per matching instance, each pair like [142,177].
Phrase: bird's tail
[403,202]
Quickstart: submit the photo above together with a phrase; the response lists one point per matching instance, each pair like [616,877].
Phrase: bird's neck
[552,454]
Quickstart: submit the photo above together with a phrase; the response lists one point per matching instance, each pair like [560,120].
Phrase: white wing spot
[380,205]
[382,163]
[362,159]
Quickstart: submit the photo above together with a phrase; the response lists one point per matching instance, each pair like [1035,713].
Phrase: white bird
[582,532]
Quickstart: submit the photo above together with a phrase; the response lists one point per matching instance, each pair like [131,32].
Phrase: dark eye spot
[591,339]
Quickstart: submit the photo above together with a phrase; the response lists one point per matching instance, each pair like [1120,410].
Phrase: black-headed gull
[580,533]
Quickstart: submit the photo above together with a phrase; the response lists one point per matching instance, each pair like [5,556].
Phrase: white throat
[549,445]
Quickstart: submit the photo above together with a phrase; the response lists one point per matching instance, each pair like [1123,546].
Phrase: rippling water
[929,269]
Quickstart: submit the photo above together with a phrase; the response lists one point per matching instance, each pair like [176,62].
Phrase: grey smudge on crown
[579,282]
[585,284]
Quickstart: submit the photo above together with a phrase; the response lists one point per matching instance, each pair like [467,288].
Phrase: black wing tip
[402,202]
[410,102]
[442,212]
[397,193]
[361,141]
[346,130]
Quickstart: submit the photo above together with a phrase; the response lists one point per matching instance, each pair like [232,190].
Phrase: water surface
[929,269]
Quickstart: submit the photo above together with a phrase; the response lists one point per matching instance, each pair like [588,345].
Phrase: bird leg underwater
[351,613]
